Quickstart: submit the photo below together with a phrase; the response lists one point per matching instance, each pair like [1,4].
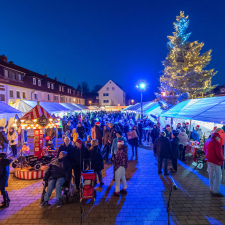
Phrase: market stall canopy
[127,108]
[152,108]
[202,109]
[70,106]
[96,108]
[36,113]
[7,111]
[82,107]
[51,107]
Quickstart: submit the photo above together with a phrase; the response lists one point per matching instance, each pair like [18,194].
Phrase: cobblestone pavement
[145,203]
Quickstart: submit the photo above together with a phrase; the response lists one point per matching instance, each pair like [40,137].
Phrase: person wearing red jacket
[214,158]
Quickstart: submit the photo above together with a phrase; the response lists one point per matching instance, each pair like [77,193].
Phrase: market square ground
[145,203]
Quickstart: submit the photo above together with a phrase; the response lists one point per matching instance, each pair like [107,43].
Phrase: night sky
[98,40]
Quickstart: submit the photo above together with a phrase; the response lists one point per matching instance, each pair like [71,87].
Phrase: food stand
[38,119]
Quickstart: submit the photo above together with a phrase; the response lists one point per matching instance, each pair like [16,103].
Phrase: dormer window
[52,86]
[48,84]
[39,82]
[60,88]
[19,77]
[6,74]
[68,90]
[34,81]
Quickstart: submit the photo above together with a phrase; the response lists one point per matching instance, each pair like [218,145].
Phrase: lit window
[6,74]
[68,90]
[24,95]
[34,81]
[17,94]
[52,85]
[48,85]
[11,94]
[39,82]
[60,88]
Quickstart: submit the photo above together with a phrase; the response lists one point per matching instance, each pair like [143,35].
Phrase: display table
[30,174]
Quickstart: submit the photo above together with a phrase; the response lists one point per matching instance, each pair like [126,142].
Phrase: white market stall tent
[72,107]
[51,107]
[201,109]
[82,107]
[7,112]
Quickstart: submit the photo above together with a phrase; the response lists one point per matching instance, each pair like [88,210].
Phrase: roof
[36,113]
[82,107]
[6,111]
[71,106]
[26,83]
[202,109]
[113,82]
[51,107]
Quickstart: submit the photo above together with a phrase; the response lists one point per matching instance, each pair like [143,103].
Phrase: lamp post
[90,102]
[142,87]
[132,101]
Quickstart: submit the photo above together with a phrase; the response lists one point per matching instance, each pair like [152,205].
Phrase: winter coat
[74,135]
[57,169]
[168,134]
[134,141]
[121,159]
[195,135]
[213,152]
[64,148]
[140,126]
[120,127]
[96,158]
[13,139]
[183,138]
[175,152]
[112,134]
[96,133]
[80,131]
[4,172]
[222,136]
[76,157]
[154,133]
[3,138]
[105,137]
[115,144]
[126,128]
[162,147]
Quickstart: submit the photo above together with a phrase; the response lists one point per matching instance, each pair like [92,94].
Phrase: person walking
[175,152]
[134,143]
[96,133]
[80,130]
[13,140]
[120,166]
[96,160]
[3,139]
[154,134]
[162,148]
[183,141]
[4,176]
[106,145]
[140,131]
[118,138]
[214,157]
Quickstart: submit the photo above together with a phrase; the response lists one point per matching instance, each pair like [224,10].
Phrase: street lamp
[90,102]
[141,87]
[132,101]
[163,94]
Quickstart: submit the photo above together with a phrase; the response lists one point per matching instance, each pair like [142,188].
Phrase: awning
[70,106]
[82,107]
[51,107]
[127,108]
[202,109]
[7,112]
[92,107]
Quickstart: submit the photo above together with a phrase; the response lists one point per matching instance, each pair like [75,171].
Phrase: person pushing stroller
[57,175]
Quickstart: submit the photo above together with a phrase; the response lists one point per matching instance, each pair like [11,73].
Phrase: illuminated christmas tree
[183,75]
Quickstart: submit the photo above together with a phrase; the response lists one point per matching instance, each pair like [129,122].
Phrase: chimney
[55,78]
[45,75]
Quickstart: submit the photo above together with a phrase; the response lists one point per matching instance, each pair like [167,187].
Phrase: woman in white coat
[13,140]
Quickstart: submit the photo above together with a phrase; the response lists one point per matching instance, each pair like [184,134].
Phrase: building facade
[18,83]
[111,95]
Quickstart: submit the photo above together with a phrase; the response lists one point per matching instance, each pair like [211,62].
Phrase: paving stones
[145,202]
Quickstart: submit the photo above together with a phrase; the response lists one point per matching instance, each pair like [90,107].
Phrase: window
[105,94]
[62,99]
[12,75]
[19,77]
[74,92]
[24,95]
[68,90]
[2,97]
[6,74]
[107,89]
[106,101]
[60,88]
[39,82]
[48,97]
[34,81]
[52,86]
[113,88]
[17,94]
[70,100]
[48,84]
[56,98]
[35,96]
[11,94]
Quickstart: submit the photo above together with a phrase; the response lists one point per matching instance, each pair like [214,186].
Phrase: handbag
[48,138]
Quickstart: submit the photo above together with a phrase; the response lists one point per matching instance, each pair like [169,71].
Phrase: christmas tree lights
[183,75]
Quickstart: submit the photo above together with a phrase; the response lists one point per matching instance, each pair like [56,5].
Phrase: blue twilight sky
[95,40]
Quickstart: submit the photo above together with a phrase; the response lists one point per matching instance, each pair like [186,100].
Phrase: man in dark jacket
[162,149]
[76,157]
[126,128]
[65,147]
[140,127]
[106,145]
[80,130]
[3,139]
[57,175]
[4,176]
[112,133]
[175,152]
[154,134]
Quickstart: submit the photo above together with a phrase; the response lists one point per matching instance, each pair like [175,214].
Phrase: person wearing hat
[214,157]
[4,176]
[168,131]
[96,133]
[175,152]
[76,156]
[118,138]
[178,126]
[3,139]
